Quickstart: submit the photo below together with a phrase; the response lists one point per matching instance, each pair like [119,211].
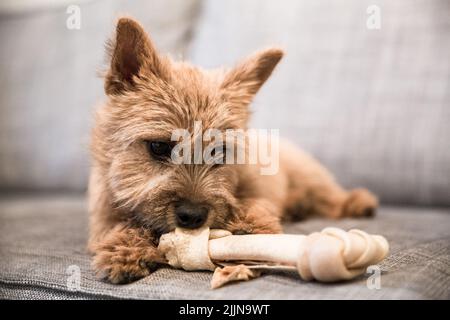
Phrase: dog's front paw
[254,222]
[122,265]
[125,254]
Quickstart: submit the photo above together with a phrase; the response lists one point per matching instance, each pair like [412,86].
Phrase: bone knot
[187,249]
[334,254]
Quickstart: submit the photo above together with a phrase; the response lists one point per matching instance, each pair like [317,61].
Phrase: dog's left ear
[244,81]
[132,52]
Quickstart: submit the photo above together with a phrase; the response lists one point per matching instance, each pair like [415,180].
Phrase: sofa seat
[43,238]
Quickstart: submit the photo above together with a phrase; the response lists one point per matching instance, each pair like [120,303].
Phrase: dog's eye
[219,156]
[159,150]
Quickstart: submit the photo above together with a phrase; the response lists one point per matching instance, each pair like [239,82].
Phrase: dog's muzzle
[190,215]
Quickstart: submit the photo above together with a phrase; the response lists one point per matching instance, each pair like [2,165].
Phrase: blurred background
[372,104]
[364,87]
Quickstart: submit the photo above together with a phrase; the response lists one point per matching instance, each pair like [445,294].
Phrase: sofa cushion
[49,83]
[373,105]
[43,243]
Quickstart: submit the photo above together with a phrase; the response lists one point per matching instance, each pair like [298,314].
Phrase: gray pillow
[49,83]
[373,105]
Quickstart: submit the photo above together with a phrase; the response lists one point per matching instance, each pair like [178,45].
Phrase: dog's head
[149,97]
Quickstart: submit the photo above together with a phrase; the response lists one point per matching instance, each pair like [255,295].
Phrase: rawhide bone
[330,255]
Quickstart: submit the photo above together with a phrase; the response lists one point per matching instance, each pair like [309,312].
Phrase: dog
[137,194]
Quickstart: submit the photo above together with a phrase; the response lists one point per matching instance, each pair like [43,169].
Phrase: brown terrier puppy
[136,193]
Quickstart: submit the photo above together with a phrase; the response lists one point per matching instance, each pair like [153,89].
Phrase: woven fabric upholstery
[42,237]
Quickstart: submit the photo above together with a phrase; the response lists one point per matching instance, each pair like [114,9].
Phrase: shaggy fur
[132,195]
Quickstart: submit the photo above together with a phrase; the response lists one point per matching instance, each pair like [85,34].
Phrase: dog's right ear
[132,53]
[243,81]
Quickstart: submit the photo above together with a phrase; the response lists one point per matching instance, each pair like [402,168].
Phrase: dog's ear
[244,81]
[132,51]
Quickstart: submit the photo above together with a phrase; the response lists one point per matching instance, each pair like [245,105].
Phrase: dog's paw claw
[149,265]
[110,270]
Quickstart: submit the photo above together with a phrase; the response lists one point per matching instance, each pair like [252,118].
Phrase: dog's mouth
[163,219]
[157,226]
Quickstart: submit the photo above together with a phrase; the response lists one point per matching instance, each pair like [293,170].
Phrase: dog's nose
[190,215]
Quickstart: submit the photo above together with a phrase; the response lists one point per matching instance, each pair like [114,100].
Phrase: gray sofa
[373,105]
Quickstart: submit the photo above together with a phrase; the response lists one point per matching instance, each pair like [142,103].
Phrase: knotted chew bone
[330,255]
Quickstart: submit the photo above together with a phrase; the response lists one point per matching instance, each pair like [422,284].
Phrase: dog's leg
[313,190]
[125,254]
[330,200]
[256,216]
[122,253]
